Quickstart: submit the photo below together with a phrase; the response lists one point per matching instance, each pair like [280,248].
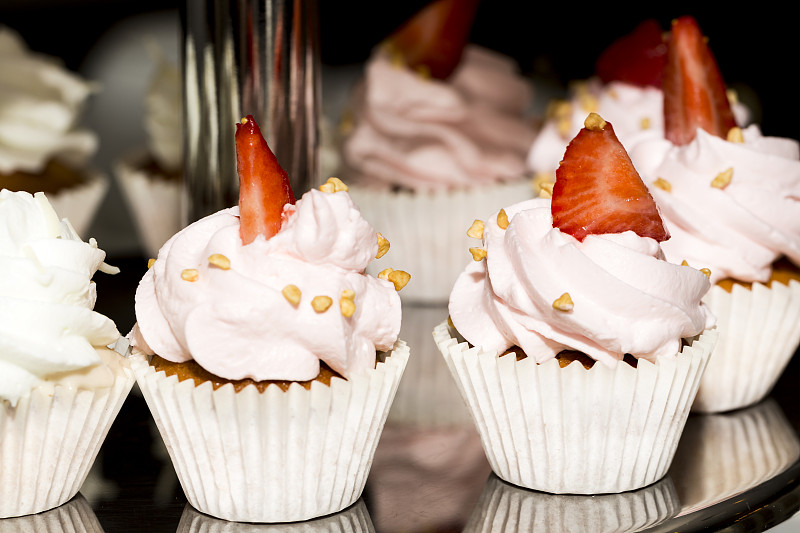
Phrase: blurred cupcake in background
[150,177]
[436,136]
[42,145]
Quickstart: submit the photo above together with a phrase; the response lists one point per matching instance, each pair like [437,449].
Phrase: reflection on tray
[722,455]
[76,516]
[354,519]
[506,507]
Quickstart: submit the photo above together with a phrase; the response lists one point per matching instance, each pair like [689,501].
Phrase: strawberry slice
[637,58]
[436,36]
[263,185]
[694,91]
[598,190]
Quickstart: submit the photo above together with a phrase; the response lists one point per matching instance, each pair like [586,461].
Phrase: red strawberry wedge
[436,36]
[263,185]
[637,58]
[694,91]
[598,191]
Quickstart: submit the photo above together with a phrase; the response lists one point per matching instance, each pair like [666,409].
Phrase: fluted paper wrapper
[75,516]
[427,396]
[80,204]
[507,508]
[572,430]
[759,331]
[354,519]
[50,441]
[722,455]
[154,202]
[428,231]
[273,456]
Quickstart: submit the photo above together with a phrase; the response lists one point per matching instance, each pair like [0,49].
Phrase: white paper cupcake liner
[759,331]
[722,455]
[80,204]
[569,430]
[155,203]
[75,516]
[50,440]
[506,508]
[354,519]
[273,456]
[428,231]
[427,396]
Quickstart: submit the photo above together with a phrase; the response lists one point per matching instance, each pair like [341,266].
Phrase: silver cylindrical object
[241,57]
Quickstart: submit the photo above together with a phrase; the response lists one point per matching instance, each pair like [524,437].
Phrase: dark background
[755,44]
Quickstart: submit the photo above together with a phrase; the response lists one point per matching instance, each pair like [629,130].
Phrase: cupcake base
[273,456]
[572,430]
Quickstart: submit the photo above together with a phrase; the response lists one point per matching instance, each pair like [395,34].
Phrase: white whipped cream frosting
[427,134]
[627,298]
[737,231]
[48,328]
[163,120]
[237,324]
[40,104]
[636,112]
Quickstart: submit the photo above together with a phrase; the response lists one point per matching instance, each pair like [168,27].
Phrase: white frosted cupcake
[425,155]
[506,508]
[277,356]
[42,146]
[729,198]
[150,177]
[576,346]
[60,385]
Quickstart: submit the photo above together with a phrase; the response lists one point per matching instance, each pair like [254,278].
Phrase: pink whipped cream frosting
[627,298]
[237,324]
[428,134]
[737,231]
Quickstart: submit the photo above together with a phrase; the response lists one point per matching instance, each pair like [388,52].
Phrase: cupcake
[625,90]
[266,355]
[730,199]
[436,132]
[60,385]
[150,177]
[42,147]
[577,348]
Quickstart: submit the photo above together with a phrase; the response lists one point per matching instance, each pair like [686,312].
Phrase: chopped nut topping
[723,179]
[383,246]
[292,294]
[244,120]
[613,94]
[475,231]
[564,126]
[399,278]
[588,102]
[543,180]
[150,262]
[502,219]
[190,274]
[450,322]
[321,303]
[347,307]
[559,109]
[546,190]
[348,294]
[563,303]
[735,135]
[645,124]
[594,122]
[663,184]
[733,96]
[684,263]
[333,185]
[706,271]
[220,261]
[477,253]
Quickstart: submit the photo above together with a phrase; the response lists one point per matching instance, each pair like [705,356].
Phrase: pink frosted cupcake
[576,346]
[277,356]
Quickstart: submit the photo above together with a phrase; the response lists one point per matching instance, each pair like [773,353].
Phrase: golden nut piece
[663,184]
[645,124]
[150,263]
[594,122]
[563,303]
[333,185]
[722,179]
[219,261]
[321,303]
[477,253]
[546,189]
[502,219]
[706,271]
[383,246]
[475,231]
[292,294]
[190,274]
[735,135]
[347,306]
[399,278]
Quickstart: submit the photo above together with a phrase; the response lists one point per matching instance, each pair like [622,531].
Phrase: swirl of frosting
[625,298]
[47,325]
[737,229]
[163,114]
[428,134]
[235,320]
[41,102]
